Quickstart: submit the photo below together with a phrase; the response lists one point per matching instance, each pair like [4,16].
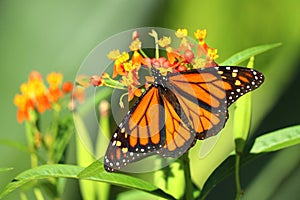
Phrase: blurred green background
[57,36]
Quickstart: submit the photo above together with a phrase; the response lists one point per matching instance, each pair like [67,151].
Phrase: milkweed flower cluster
[37,96]
[188,55]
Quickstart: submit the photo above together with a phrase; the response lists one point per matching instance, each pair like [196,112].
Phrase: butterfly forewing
[139,133]
[238,81]
[205,94]
[202,97]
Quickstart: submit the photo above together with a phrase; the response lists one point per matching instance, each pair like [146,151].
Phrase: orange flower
[137,58]
[35,95]
[54,79]
[133,91]
[119,59]
[67,87]
[24,105]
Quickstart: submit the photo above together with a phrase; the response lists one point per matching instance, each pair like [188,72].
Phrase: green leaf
[225,169]
[102,142]
[277,140]
[15,144]
[96,172]
[248,53]
[84,150]
[65,132]
[6,169]
[44,171]
[71,171]
[134,195]
[242,118]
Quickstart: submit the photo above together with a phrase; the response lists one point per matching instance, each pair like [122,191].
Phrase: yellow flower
[200,34]
[127,80]
[54,79]
[135,45]
[164,71]
[123,57]
[129,66]
[199,63]
[164,41]
[212,54]
[181,33]
[114,54]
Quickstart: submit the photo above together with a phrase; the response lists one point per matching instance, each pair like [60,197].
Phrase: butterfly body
[177,109]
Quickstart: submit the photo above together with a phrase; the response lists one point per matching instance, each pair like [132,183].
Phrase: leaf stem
[188,193]
[239,190]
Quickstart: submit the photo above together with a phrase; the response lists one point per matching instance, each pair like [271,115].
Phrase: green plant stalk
[38,194]
[54,131]
[170,178]
[23,196]
[30,140]
[239,191]
[84,147]
[188,192]
[32,128]
[101,144]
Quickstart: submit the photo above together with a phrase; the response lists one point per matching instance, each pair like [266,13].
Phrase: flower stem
[188,194]
[239,190]
[143,53]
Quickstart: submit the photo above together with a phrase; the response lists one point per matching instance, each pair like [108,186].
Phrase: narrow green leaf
[71,171]
[102,142]
[6,169]
[134,195]
[15,144]
[95,168]
[44,171]
[277,140]
[246,54]
[242,117]
[84,150]
[226,168]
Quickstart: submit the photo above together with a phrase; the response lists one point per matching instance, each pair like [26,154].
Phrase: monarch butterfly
[176,110]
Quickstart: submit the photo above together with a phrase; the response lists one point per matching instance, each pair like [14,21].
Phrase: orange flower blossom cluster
[186,56]
[35,95]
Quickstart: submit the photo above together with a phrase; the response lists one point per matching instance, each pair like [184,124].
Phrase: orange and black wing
[139,133]
[179,136]
[152,126]
[205,94]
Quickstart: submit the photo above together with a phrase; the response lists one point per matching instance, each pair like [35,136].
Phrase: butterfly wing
[238,81]
[138,135]
[205,94]
[166,118]
[178,133]
[153,125]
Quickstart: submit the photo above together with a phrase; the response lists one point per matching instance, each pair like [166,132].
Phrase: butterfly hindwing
[179,134]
